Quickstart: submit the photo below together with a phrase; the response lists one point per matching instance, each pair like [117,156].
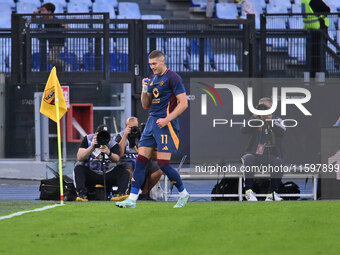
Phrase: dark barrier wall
[330,153]
[301,144]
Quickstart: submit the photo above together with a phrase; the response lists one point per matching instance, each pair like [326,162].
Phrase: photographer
[88,170]
[129,152]
[264,148]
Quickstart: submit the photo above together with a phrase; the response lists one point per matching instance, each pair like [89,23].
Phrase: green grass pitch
[300,227]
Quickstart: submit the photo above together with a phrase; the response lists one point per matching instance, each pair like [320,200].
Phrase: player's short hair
[49,7]
[266,99]
[156,54]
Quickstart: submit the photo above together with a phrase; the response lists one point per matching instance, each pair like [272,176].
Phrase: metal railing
[97,48]
[91,47]
[289,50]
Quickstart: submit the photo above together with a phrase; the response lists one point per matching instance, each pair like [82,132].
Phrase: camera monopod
[103,138]
[104,173]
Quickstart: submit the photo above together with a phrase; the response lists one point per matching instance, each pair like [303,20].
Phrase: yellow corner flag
[53,105]
[53,95]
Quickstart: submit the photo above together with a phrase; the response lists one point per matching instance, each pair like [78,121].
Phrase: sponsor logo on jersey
[155,92]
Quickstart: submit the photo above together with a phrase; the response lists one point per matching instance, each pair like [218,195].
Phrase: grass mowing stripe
[157,228]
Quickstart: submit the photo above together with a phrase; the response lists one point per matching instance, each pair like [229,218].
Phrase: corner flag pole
[53,105]
[59,153]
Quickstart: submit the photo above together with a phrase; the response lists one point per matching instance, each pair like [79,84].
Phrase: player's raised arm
[146,96]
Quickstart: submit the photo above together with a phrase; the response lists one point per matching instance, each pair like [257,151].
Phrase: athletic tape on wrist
[145,89]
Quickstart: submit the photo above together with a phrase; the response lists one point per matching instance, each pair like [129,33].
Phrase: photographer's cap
[102,127]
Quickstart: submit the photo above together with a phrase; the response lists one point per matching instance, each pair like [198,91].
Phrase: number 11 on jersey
[164,139]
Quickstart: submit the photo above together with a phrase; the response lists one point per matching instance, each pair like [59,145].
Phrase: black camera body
[135,131]
[134,135]
[103,138]
[262,107]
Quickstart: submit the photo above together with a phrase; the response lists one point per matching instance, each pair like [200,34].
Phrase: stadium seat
[226,11]
[276,8]
[201,4]
[71,59]
[128,10]
[151,17]
[9,2]
[61,2]
[279,4]
[260,7]
[35,2]
[89,62]
[114,3]
[296,8]
[119,62]
[6,14]
[35,64]
[334,5]
[104,7]
[87,3]
[26,7]
[76,7]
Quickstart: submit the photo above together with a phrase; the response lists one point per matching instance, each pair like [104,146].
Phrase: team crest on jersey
[161,83]
[155,92]
[49,96]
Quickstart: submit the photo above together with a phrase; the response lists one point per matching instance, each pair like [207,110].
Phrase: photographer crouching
[98,153]
[128,141]
[263,149]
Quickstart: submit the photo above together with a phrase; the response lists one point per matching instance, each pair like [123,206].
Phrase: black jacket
[263,135]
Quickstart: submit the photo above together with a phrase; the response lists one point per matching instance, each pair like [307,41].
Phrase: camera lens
[134,130]
[103,138]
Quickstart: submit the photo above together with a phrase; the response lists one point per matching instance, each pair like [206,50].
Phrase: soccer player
[165,98]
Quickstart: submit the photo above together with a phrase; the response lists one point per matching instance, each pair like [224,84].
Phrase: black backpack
[50,189]
[226,186]
[289,188]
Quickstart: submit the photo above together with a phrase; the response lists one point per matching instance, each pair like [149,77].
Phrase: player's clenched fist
[145,83]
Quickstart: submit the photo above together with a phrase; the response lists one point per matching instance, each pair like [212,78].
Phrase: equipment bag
[226,186]
[289,188]
[50,189]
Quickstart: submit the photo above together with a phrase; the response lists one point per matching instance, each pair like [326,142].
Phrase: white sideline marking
[23,212]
